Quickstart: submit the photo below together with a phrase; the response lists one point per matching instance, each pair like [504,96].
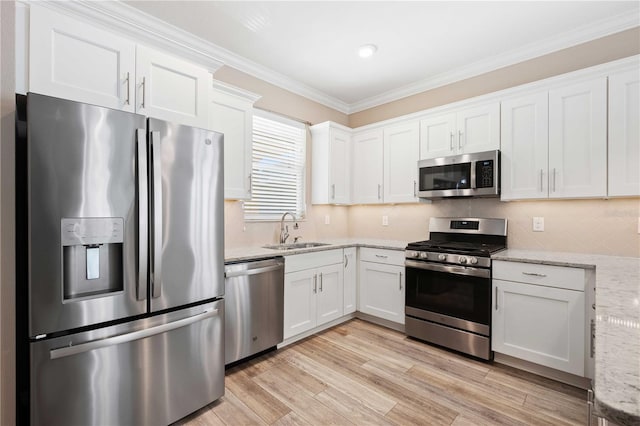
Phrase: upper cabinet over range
[72,59]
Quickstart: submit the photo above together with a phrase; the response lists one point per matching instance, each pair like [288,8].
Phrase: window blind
[278,168]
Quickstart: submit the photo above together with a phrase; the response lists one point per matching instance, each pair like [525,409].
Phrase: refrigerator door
[152,371]
[86,169]
[187,234]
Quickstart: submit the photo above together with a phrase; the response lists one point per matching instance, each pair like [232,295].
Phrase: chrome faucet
[284,230]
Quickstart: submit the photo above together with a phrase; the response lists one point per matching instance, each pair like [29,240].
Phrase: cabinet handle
[459,139]
[321,281]
[451,141]
[541,176]
[592,342]
[143,87]
[415,193]
[496,297]
[315,283]
[534,274]
[379,188]
[250,184]
[126,102]
[381,256]
[346,261]
[333,191]
[554,179]
[400,280]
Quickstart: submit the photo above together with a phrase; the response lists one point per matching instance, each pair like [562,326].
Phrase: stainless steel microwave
[466,175]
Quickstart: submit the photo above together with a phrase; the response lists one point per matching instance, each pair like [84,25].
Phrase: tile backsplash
[582,226]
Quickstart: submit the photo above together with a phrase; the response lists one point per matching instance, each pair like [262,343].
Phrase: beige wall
[584,226]
[279,100]
[7,214]
[606,49]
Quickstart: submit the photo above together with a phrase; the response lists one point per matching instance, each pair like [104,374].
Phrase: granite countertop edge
[617,281]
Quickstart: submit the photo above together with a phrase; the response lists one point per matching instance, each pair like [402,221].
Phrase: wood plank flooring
[359,373]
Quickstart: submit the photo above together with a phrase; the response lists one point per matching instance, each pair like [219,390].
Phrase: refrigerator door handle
[143,218]
[129,337]
[156,253]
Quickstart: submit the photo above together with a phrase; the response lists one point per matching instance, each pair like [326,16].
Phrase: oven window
[459,296]
[452,176]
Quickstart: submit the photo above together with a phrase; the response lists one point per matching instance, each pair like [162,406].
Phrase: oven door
[456,296]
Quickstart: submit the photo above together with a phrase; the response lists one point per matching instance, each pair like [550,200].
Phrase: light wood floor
[359,373]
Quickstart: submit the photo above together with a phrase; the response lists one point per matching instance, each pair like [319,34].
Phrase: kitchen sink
[293,246]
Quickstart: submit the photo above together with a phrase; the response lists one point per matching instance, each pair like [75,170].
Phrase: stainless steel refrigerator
[120,260]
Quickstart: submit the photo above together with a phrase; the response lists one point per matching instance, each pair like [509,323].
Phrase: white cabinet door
[330,293]
[232,115]
[299,302]
[624,134]
[339,167]
[401,152]
[350,280]
[479,128]
[171,89]
[437,136]
[382,291]
[578,140]
[367,167]
[525,142]
[539,324]
[74,60]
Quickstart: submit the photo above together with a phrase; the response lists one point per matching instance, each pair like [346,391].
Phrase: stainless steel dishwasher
[254,307]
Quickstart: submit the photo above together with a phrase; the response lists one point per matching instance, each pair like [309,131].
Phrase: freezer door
[187,246]
[85,171]
[148,372]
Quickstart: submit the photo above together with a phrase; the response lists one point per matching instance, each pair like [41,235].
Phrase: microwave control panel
[484,174]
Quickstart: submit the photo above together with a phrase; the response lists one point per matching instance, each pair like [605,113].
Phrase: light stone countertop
[617,358]
[251,253]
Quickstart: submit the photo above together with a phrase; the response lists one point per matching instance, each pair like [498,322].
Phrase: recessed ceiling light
[367,50]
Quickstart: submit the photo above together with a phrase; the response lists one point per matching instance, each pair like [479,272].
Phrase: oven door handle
[451,269]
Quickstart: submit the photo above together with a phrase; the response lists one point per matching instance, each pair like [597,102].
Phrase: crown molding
[151,31]
[571,38]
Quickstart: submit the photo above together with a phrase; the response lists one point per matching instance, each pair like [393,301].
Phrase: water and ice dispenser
[92,256]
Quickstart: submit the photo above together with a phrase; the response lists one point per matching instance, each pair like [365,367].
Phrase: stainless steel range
[448,283]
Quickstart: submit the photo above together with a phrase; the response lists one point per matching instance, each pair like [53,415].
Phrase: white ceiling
[310,47]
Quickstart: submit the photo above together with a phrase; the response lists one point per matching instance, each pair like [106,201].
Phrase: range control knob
[462,260]
[442,257]
[413,254]
[473,260]
[424,255]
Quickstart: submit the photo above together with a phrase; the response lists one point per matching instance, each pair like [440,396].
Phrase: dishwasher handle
[253,271]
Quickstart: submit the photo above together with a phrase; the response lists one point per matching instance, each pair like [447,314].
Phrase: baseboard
[380,321]
[540,370]
[313,331]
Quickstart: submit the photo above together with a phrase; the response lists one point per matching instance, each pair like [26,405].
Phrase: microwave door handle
[156,149]
[143,212]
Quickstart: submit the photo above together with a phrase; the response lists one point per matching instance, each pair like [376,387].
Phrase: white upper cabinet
[525,147]
[231,113]
[171,89]
[74,60]
[624,134]
[578,140]
[367,167]
[331,156]
[467,130]
[401,151]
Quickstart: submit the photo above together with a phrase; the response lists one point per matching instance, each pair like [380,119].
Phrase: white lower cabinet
[381,284]
[539,314]
[350,280]
[313,290]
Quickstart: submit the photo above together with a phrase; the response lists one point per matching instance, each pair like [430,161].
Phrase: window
[278,168]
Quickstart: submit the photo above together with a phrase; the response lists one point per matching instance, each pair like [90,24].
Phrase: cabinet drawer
[545,275]
[389,257]
[300,262]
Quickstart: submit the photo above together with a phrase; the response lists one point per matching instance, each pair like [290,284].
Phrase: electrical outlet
[385,220]
[538,224]
[327,219]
